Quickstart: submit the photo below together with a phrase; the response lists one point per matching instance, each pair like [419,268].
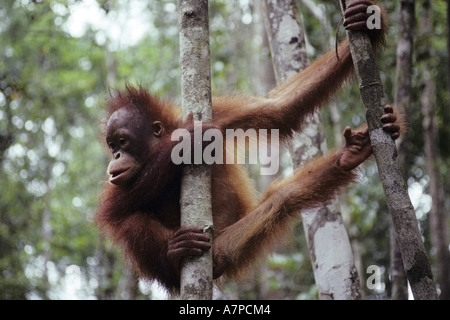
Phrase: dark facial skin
[125,138]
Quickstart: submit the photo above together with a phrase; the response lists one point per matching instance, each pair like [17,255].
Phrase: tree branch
[406,228]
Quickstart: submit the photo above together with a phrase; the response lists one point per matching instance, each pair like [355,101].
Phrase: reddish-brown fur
[144,218]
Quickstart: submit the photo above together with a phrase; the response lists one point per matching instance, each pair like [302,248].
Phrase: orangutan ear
[158,128]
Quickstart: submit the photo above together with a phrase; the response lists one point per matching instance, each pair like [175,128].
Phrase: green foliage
[46,77]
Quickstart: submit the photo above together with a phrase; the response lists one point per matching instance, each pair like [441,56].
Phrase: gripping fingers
[357,6]
[347,133]
[187,241]
[393,129]
[356,23]
[388,109]
[389,122]
[355,16]
[189,237]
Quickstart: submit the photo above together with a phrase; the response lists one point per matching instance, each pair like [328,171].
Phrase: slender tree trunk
[399,288]
[318,9]
[415,259]
[195,202]
[438,213]
[334,271]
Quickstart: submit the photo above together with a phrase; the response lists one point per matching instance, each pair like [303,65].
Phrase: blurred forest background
[60,59]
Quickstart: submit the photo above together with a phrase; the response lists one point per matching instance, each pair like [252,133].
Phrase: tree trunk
[417,266]
[195,202]
[438,214]
[399,287]
[335,274]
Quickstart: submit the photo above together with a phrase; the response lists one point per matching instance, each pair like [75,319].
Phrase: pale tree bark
[399,287]
[415,259]
[318,9]
[195,201]
[334,270]
[438,213]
